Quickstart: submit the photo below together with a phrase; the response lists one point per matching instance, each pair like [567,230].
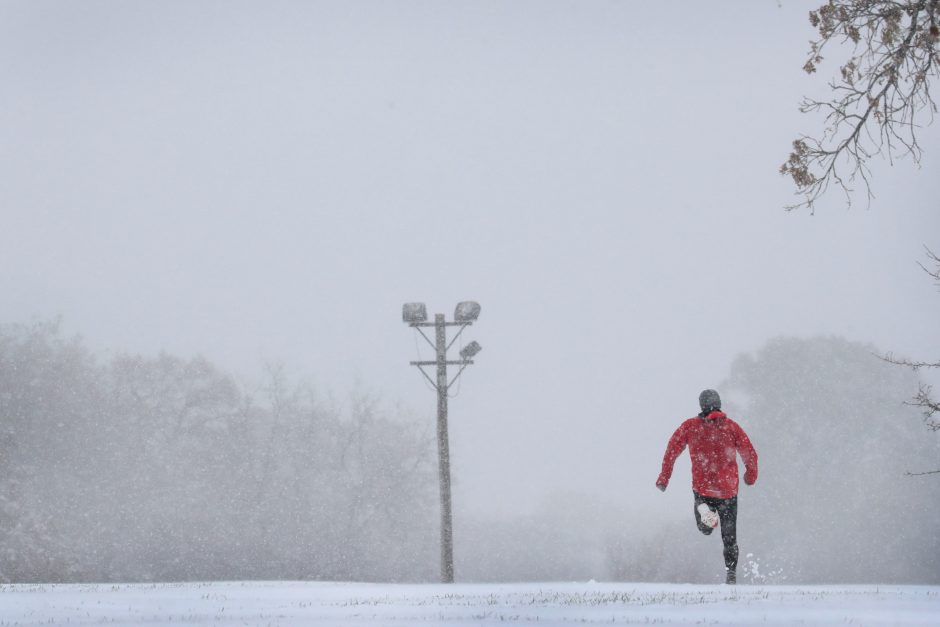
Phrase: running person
[713,439]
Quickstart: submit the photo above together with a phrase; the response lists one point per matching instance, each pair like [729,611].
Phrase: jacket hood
[713,415]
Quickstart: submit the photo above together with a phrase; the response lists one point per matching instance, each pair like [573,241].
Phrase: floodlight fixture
[414,312]
[467,311]
[470,350]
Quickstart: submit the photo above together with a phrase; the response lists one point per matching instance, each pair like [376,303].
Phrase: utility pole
[443,453]
[415,314]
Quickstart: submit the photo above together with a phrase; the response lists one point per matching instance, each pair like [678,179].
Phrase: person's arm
[748,454]
[675,447]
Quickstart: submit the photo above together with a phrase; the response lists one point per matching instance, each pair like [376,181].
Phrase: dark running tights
[728,516]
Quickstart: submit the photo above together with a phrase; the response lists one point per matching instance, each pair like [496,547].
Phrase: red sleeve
[677,444]
[748,454]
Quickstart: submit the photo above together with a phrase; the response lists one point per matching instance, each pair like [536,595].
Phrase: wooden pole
[443,453]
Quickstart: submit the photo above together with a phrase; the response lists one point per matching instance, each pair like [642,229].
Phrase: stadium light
[414,312]
[467,311]
[470,350]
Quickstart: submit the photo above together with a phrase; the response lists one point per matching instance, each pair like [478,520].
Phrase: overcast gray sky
[270,181]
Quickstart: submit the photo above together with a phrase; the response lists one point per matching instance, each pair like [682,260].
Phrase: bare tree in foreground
[923,400]
[881,98]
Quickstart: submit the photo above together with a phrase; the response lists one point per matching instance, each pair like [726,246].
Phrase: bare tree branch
[923,399]
[935,273]
[880,100]
[930,407]
[913,365]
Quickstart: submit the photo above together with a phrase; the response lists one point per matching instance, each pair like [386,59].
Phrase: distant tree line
[160,468]
[163,468]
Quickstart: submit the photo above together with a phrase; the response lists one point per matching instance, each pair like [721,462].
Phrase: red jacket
[713,441]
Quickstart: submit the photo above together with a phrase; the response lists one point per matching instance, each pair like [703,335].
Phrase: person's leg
[698,516]
[728,515]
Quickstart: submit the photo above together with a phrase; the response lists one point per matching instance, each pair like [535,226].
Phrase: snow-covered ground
[342,604]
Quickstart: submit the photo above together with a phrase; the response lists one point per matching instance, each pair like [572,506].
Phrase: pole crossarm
[444,324]
[463,362]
